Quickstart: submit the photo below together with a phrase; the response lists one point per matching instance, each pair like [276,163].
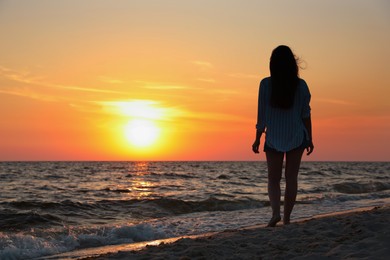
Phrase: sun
[141,132]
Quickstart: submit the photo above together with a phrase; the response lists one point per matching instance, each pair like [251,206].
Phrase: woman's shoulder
[303,85]
[265,81]
[302,81]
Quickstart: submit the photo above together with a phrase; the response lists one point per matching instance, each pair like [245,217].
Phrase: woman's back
[284,127]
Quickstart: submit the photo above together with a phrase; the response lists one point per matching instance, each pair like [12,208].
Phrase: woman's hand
[310,148]
[255,146]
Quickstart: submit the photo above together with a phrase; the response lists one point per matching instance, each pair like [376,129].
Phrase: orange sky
[77,76]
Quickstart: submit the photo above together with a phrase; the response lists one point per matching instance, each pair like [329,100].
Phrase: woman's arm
[260,126]
[256,144]
[307,123]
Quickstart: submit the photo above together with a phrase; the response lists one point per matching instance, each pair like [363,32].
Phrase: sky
[178,80]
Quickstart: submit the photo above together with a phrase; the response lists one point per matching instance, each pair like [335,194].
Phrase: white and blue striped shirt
[284,128]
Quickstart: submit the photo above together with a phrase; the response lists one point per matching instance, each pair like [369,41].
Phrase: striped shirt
[284,128]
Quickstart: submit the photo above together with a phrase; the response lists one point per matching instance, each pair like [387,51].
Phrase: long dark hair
[284,77]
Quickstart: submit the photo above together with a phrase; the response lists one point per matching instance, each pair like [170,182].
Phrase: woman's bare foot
[274,220]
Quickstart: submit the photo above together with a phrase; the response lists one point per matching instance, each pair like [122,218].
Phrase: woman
[284,116]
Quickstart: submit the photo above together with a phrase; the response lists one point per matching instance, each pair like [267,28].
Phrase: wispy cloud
[110,80]
[224,91]
[23,92]
[244,76]
[203,64]
[139,108]
[209,80]
[335,101]
[154,109]
[19,76]
[163,86]
[167,87]
[27,79]
[85,89]
[220,117]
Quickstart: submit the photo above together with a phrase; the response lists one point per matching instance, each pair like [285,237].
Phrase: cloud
[335,101]
[203,64]
[224,91]
[156,110]
[217,117]
[110,80]
[77,88]
[28,79]
[18,76]
[244,76]
[139,108]
[209,80]
[167,115]
[28,94]
[167,87]
[163,86]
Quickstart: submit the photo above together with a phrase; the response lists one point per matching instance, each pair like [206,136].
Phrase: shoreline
[358,233]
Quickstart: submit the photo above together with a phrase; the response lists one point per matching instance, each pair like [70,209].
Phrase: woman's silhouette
[284,117]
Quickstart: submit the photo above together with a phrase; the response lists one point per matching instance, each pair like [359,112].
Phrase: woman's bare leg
[293,161]
[275,166]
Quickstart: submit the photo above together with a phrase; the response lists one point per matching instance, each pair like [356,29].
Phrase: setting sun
[141,132]
[138,124]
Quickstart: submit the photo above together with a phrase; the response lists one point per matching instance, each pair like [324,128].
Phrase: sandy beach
[356,234]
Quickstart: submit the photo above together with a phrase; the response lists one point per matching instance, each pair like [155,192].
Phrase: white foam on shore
[36,244]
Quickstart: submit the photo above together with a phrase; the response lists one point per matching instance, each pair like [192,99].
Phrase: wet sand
[356,234]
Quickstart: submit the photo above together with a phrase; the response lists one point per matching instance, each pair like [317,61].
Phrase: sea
[48,208]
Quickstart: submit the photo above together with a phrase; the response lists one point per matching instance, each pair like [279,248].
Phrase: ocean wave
[47,205]
[29,219]
[27,214]
[358,188]
[162,207]
[179,175]
[117,190]
[175,206]
[37,244]
[212,204]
